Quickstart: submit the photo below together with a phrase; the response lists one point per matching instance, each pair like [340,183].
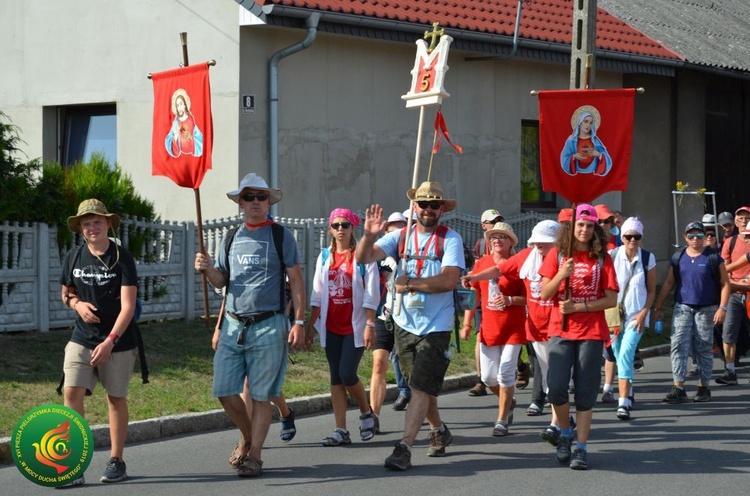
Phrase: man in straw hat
[434,260]
[252,341]
[99,283]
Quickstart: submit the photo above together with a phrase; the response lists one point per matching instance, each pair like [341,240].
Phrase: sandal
[338,438]
[522,376]
[250,467]
[369,425]
[288,429]
[479,389]
[235,459]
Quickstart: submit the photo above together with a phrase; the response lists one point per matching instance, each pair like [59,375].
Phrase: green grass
[180,361]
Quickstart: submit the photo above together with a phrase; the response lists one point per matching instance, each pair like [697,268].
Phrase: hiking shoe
[676,395]
[438,441]
[608,397]
[75,482]
[400,404]
[288,429]
[535,409]
[623,412]
[551,435]
[250,467]
[501,428]
[479,389]
[114,471]
[368,425]
[563,449]
[728,379]
[338,438]
[400,459]
[579,461]
[703,395]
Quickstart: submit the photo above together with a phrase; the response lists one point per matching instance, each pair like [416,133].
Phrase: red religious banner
[183,130]
[585,139]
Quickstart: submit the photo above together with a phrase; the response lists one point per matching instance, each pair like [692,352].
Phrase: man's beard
[426,221]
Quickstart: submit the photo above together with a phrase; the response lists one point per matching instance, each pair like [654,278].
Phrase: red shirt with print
[587,283]
[339,317]
[500,327]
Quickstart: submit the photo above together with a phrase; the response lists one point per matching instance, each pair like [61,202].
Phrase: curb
[173,425]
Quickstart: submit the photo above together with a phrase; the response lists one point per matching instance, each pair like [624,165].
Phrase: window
[85,129]
[532,196]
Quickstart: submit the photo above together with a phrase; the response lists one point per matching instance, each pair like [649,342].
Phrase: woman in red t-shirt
[502,331]
[578,342]
[343,303]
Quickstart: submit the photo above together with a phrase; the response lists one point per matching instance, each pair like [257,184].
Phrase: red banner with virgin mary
[585,140]
[182,137]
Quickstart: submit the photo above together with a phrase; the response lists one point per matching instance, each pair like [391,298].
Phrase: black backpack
[713,258]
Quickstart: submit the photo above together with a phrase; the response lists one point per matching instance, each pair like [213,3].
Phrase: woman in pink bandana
[345,297]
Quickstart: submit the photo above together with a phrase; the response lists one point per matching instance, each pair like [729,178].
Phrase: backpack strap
[645,259]
[325,253]
[732,243]
[441,231]
[675,263]
[277,231]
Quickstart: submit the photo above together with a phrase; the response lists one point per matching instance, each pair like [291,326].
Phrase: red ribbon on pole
[441,128]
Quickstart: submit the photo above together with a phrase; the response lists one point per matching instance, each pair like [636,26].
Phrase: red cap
[737,212]
[602,211]
[565,215]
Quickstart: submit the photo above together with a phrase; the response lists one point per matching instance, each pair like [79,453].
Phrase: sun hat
[396,217]
[428,191]
[502,228]
[344,213]
[413,214]
[584,211]
[92,206]
[491,215]
[725,218]
[544,232]
[632,225]
[695,225]
[254,181]
[709,220]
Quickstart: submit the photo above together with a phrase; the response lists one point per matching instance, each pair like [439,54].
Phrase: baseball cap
[746,209]
[397,217]
[492,215]
[602,211]
[565,215]
[584,211]
[695,226]
[725,218]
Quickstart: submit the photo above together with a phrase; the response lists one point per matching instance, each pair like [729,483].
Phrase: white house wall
[83,51]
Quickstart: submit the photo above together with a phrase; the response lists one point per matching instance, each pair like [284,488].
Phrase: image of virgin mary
[584,152]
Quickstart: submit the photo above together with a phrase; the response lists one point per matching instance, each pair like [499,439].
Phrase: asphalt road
[692,448]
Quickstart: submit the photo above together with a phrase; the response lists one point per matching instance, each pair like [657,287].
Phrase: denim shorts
[262,358]
[424,359]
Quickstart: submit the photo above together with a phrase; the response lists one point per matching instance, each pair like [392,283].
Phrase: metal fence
[30,264]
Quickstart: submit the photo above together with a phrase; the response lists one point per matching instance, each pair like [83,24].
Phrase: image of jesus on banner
[184,137]
[584,152]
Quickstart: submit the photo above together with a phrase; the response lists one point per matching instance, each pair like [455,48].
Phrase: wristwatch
[299,323]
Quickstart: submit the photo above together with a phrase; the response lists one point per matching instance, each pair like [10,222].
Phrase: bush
[17,187]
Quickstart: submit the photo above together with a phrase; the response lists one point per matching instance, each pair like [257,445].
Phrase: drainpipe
[273,95]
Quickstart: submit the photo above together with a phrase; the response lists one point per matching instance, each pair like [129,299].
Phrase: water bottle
[493,293]
[658,326]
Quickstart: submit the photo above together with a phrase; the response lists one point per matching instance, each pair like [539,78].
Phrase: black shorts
[384,339]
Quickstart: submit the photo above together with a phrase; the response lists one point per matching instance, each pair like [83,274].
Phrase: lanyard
[423,255]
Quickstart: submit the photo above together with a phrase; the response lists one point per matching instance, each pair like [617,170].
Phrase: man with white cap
[434,259]
[489,218]
[254,335]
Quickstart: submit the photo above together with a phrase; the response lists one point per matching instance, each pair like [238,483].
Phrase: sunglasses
[248,197]
[630,237]
[605,221]
[499,237]
[695,236]
[341,225]
[710,235]
[494,221]
[433,204]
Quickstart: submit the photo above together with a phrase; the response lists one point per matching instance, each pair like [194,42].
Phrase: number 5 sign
[429,70]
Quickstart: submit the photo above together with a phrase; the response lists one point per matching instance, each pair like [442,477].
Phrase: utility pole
[583,45]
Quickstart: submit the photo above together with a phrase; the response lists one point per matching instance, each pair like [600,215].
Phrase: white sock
[607,387]
[730,368]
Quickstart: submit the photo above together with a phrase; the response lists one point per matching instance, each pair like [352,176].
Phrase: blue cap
[695,226]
